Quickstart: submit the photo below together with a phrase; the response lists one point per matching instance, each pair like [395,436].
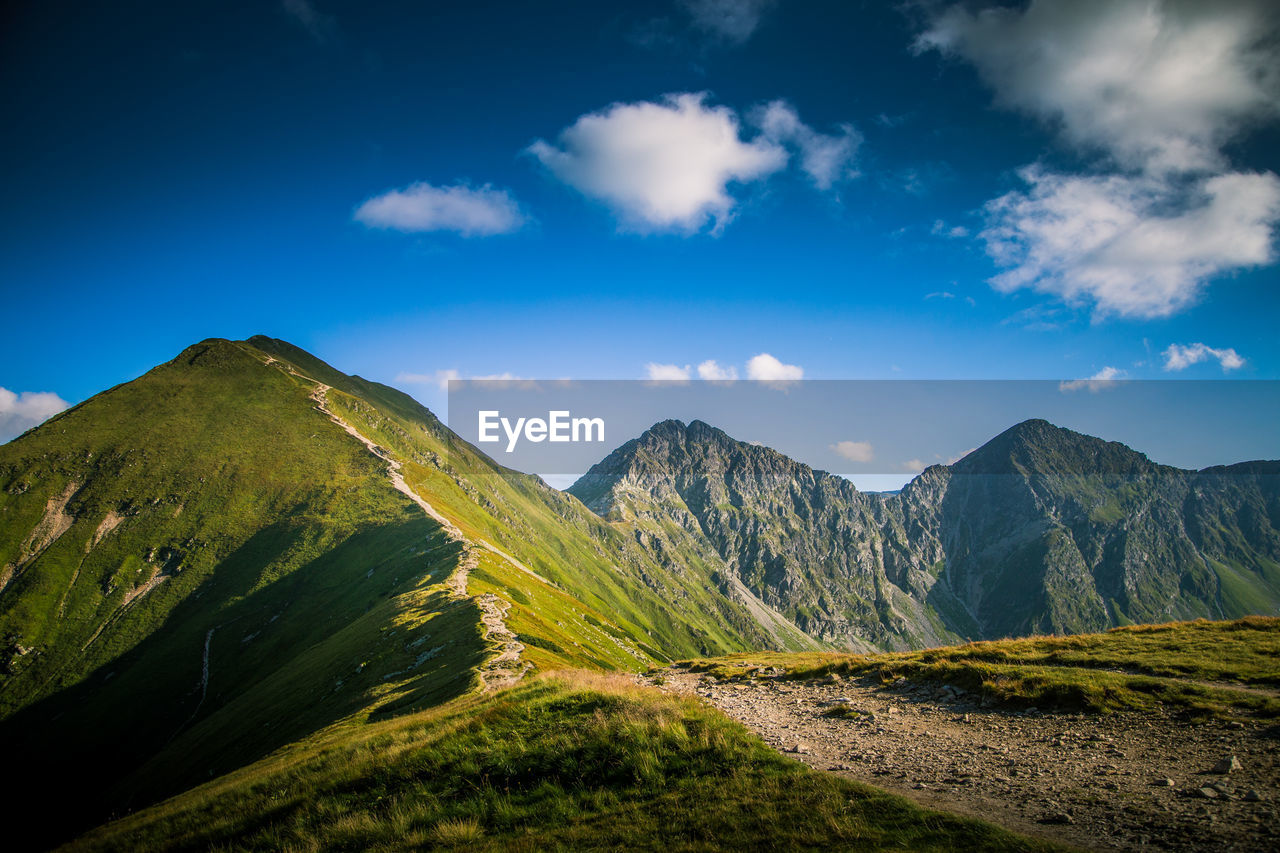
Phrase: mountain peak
[1038,445]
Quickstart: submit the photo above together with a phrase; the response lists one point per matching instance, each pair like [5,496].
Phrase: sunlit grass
[1202,667]
[569,761]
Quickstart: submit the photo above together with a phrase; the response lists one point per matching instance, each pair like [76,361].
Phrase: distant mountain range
[245,545]
[1041,530]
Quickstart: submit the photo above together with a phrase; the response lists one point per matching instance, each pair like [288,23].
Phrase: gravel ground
[1123,781]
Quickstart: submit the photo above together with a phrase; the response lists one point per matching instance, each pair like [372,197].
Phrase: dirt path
[505,667]
[1114,782]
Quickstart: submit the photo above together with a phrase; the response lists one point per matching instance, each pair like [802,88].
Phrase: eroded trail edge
[1120,781]
[504,668]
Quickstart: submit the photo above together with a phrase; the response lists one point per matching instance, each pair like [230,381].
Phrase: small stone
[1226,765]
[1057,817]
[1166,782]
[1205,794]
[798,748]
[1252,797]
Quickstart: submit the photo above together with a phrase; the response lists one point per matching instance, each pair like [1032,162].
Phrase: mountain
[244,546]
[246,553]
[1041,530]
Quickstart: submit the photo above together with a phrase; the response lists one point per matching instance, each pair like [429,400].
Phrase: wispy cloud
[942,229]
[441,378]
[1103,379]
[854,451]
[1182,356]
[734,21]
[826,158]
[471,212]
[322,28]
[667,372]
[20,412]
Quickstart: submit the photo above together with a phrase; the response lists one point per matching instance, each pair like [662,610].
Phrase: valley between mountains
[247,600]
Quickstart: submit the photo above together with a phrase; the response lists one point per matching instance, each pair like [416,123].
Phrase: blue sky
[597,190]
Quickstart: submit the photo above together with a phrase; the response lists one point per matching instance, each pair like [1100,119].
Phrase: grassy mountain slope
[1200,667]
[215,560]
[573,761]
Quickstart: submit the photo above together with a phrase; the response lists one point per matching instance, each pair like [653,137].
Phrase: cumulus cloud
[469,211]
[663,166]
[667,372]
[826,159]
[766,368]
[1104,378]
[732,20]
[22,411]
[1180,357]
[712,371]
[915,466]
[854,451]
[1158,86]
[1130,246]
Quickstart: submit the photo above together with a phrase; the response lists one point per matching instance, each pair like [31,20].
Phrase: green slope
[570,762]
[203,565]
[1200,667]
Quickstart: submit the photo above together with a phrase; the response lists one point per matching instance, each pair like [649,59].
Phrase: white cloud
[1131,246]
[712,371]
[661,166]
[321,27]
[854,451]
[20,412]
[667,372]
[1104,378]
[732,20]
[766,368]
[915,466]
[423,207]
[826,159]
[1180,357]
[1159,86]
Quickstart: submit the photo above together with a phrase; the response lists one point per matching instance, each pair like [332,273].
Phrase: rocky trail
[505,667]
[1123,781]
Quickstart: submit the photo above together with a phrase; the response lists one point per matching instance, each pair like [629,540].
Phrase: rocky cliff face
[1040,530]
